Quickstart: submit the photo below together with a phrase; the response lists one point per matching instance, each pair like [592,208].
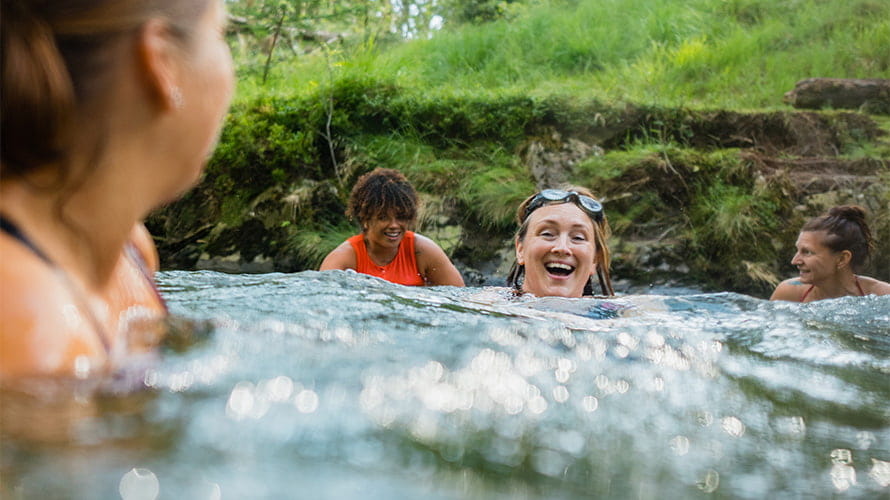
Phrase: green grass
[637,77]
[743,54]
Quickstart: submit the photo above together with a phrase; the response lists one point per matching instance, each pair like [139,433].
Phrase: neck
[381,255]
[842,285]
[82,230]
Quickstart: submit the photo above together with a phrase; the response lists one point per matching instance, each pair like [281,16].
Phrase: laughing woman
[561,245]
[385,205]
[830,248]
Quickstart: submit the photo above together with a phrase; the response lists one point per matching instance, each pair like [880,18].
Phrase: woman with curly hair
[385,205]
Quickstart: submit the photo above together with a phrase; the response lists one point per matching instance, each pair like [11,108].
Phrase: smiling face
[815,261]
[385,232]
[558,251]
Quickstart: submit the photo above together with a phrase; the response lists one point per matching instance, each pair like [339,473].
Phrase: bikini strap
[810,289]
[140,262]
[861,292]
[10,228]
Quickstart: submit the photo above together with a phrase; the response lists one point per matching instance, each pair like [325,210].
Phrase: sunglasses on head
[590,206]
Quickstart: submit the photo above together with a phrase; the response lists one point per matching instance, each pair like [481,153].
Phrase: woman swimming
[385,205]
[830,248]
[561,244]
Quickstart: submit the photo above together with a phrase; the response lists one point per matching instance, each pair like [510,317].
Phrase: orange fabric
[402,269]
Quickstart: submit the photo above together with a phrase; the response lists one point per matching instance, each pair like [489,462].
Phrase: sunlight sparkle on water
[880,472]
[733,426]
[139,484]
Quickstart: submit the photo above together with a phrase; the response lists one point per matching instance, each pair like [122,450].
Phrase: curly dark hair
[379,193]
[845,229]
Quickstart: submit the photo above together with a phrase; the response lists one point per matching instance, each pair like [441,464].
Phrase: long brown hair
[601,232]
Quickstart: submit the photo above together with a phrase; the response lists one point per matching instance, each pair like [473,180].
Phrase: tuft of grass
[311,245]
[493,193]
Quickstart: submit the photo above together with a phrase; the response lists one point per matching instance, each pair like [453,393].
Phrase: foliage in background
[351,87]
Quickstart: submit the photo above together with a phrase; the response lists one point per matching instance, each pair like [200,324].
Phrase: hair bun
[853,213]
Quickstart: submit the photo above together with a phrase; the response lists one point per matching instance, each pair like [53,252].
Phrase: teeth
[560,266]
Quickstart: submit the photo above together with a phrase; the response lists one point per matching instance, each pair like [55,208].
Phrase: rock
[551,160]
[870,95]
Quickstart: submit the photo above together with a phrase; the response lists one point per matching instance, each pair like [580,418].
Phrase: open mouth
[558,269]
[392,234]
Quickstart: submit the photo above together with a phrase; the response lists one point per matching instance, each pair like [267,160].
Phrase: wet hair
[379,193]
[57,57]
[845,229]
[601,232]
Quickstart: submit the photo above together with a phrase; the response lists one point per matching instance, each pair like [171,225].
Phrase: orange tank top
[402,269]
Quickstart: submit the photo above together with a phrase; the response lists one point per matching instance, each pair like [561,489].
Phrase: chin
[558,292]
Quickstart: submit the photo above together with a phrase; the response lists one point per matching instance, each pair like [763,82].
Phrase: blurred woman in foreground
[109,110]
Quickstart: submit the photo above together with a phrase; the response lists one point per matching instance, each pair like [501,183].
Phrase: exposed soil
[800,151]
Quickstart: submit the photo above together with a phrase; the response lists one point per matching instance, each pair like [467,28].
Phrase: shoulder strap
[10,228]
[138,260]
[861,292]
[810,289]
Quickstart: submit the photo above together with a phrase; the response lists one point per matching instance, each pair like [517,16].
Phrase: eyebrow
[555,222]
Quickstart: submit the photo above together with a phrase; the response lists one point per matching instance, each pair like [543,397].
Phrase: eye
[579,237]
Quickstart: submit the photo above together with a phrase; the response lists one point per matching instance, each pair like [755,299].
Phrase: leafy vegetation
[675,92]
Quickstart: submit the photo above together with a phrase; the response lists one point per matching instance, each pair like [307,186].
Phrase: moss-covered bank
[710,197]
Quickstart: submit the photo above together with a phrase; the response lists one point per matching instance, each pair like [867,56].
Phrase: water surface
[336,385]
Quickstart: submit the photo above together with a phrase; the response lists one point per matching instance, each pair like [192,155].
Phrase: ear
[520,260]
[155,51]
[844,258]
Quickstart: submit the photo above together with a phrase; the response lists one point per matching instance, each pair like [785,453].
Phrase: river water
[337,385]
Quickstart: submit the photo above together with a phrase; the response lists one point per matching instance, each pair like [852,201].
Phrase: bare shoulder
[789,290]
[42,330]
[422,244]
[141,238]
[872,286]
[343,257]
[435,266]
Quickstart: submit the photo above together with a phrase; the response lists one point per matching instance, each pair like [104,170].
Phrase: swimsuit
[855,278]
[403,268]
[132,253]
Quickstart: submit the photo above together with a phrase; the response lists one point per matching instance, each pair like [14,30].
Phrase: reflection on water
[336,385]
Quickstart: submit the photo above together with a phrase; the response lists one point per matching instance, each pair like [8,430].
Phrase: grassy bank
[671,111]
[735,54]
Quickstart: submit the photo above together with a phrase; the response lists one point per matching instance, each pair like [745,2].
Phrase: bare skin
[558,251]
[827,272]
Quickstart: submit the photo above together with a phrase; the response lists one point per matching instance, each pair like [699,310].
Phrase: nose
[796,260]
[561,245]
